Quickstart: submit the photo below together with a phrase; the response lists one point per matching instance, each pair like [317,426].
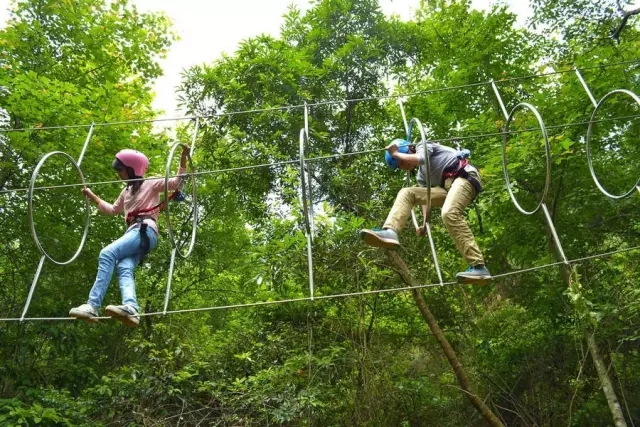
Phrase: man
[455,183]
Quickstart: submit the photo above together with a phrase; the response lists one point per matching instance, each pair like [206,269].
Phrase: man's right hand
[392,148]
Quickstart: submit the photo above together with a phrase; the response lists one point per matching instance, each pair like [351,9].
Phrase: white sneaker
[124,313]
[85,312]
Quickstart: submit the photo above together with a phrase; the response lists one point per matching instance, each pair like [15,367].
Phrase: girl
[140,201]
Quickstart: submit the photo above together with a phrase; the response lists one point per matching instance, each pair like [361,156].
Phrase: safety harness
[138,216]
[460,171]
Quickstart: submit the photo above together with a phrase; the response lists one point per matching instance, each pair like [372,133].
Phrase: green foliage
[357,360]
[44,408]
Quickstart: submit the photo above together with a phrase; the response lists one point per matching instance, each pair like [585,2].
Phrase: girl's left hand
[91,195]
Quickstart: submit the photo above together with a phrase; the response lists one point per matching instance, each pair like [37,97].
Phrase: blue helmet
[403,147]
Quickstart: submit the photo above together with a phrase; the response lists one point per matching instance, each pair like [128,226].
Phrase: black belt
[144,239]
[472,179]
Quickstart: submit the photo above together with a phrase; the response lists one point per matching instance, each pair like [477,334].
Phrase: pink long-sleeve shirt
[147,196]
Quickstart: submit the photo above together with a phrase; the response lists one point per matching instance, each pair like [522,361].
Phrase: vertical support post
[309,247]
[306,120]
[33,288]
[306,204]
[310,263]
[86,144]
[586,88]
[497,92]
[168,291]
[309,175]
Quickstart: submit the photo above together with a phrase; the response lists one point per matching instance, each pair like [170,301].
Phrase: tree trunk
[484,410]
[607,386]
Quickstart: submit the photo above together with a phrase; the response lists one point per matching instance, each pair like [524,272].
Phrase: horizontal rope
[334,296]
[318,158]
[572,69]
[319,103]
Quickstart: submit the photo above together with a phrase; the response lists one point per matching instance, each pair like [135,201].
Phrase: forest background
[527,342]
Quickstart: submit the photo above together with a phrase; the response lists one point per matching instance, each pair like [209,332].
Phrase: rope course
[306,185]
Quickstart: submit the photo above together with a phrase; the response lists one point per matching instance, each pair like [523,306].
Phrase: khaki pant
[453,202]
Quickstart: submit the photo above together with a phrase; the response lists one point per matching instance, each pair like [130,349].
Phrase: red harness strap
[132,216]
[454,173]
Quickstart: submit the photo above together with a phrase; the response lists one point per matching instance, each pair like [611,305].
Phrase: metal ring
[589,133]
[427,167]
[305,202]
[192,177]
[547,151]
[87,209]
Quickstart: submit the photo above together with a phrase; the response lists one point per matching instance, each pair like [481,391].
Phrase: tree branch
[615,33]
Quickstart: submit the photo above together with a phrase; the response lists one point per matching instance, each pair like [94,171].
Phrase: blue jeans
[125,253]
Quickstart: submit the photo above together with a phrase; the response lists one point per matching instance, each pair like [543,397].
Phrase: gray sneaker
[124,313]
[478,275]
[386,238]
[85,312]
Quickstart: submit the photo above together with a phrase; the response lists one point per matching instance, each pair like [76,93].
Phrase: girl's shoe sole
[122,316]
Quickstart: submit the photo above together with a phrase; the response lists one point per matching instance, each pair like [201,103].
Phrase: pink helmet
[134,159]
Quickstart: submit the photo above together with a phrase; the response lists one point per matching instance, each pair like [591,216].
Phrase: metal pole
[497,92]
[306,120]
[586,88]
[168,292]
[404,117]
[195,134]
[434,253]
[309,175]
[86,144]
[33,288]
[310,264]
[306,204]
[554,234]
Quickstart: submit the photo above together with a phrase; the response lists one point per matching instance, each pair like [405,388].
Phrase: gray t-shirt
[441,158]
